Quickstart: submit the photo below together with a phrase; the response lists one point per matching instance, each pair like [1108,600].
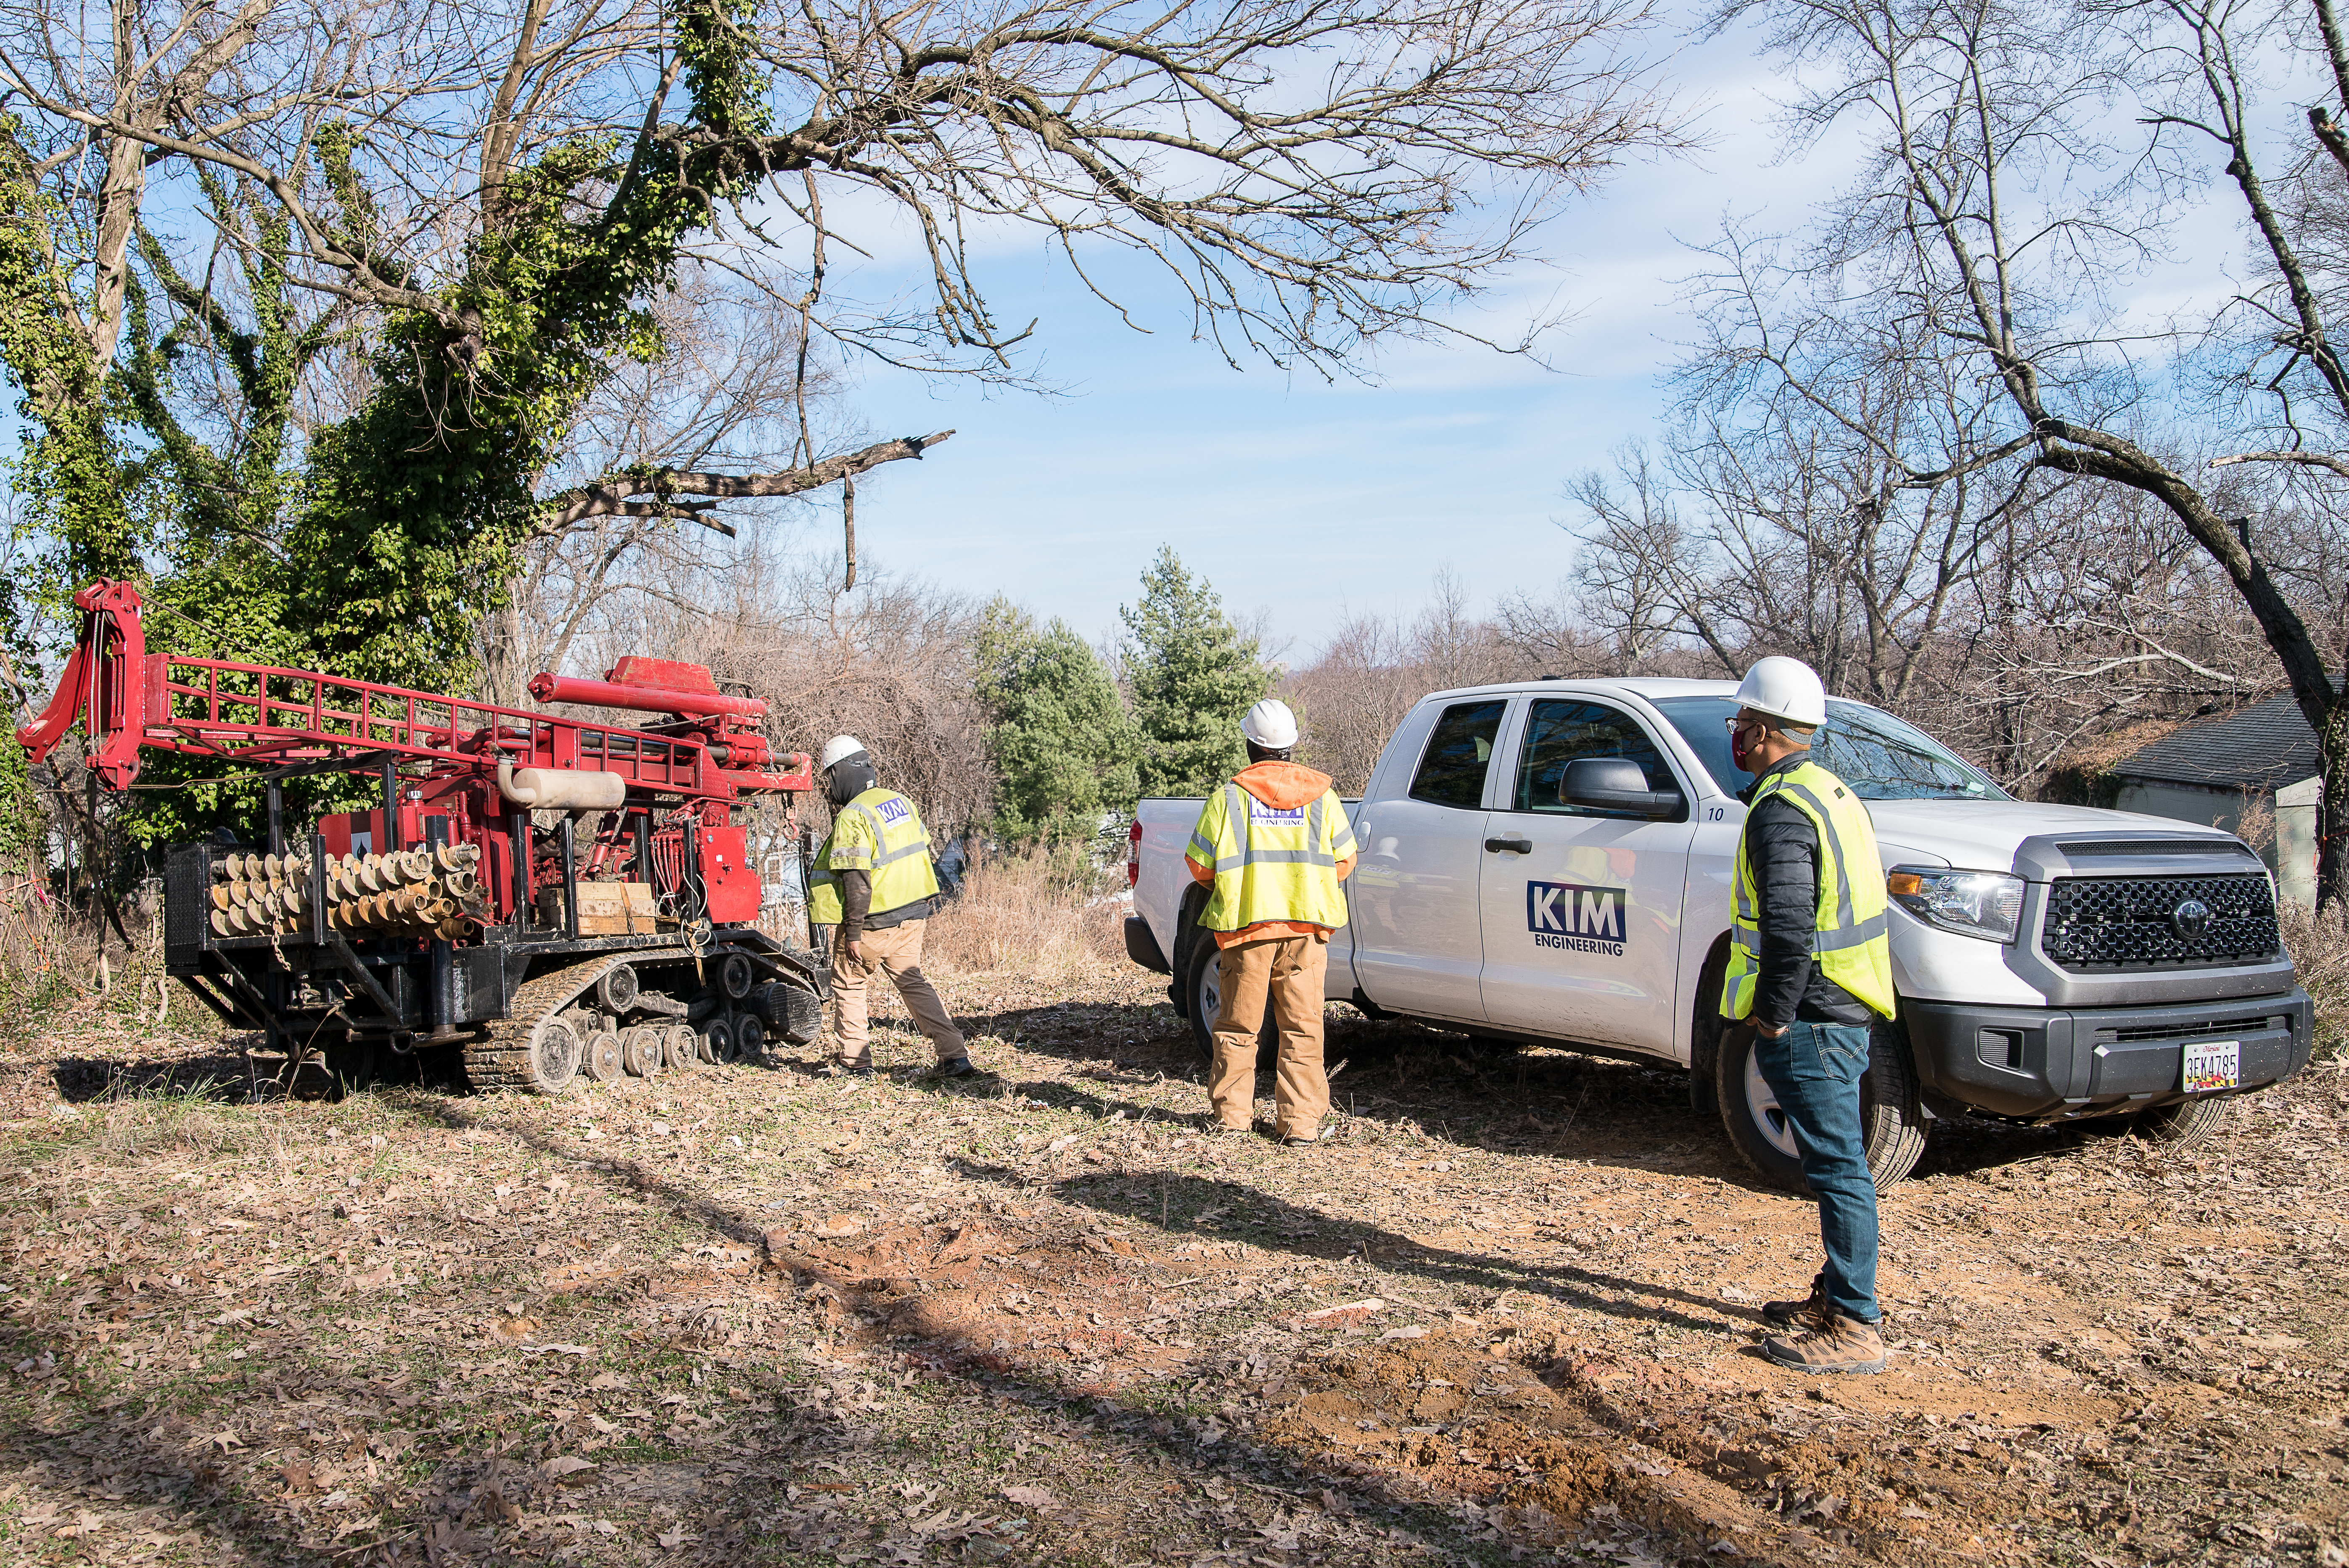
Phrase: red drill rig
[447,919]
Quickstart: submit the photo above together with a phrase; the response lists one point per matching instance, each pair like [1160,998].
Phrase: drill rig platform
[450,917]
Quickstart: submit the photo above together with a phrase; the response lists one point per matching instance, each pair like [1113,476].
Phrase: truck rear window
[1452,770]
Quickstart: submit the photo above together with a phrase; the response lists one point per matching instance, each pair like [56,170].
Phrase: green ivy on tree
[374,549]
[1062,747]
[1194,675]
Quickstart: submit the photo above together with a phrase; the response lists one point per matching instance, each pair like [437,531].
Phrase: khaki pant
[1287,972]
[896,952]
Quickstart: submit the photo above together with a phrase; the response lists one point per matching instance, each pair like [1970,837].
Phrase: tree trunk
[2332,805]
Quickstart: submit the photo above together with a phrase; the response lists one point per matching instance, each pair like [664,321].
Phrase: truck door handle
[1522,846]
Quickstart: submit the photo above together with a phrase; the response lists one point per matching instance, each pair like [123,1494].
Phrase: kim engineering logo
[1576,919]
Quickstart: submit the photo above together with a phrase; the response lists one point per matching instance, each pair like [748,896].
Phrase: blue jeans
[1814,1070]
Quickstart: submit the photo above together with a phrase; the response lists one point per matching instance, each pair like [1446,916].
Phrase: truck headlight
[1987,904]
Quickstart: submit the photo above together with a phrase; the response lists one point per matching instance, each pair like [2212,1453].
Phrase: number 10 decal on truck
[1550,863]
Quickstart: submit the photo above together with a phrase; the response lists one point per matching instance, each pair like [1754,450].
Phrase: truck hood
[1983,835]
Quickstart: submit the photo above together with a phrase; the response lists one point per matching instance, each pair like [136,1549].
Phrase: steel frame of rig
[441,920]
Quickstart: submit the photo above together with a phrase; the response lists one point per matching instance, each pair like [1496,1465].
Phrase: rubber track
[500,1060]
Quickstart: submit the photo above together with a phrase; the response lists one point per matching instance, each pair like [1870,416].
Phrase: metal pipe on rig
[547,687]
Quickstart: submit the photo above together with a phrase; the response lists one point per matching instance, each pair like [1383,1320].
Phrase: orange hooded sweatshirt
[1283,786]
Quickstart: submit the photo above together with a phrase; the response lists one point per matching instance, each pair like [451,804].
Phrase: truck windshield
[1881,758]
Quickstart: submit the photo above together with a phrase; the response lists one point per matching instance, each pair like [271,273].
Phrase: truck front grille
[2206,1027]
[2114,924]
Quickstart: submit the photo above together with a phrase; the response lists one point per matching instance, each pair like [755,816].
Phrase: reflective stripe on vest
[895,851]
[1270,863]
[1851,936]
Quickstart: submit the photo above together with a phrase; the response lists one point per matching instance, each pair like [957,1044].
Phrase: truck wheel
[716,1039]
[2178,1128]
[1205,987]
[681,1048]
[1891,1123]
[750,1039]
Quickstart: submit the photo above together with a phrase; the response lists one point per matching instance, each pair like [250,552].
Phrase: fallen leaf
[516,1328]
[374,1279]
[1034,1497]
[1413,1333]
[226,1439]
[673,1537]
[568,1464]
[841,1226]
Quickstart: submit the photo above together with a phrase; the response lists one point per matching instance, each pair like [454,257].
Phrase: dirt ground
[1508,1313]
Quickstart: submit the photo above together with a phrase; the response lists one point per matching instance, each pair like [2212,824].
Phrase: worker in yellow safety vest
[873,885]
[1272,845]
[1810,969]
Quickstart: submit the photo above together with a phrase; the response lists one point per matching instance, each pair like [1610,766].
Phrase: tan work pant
[896,952]
[1287,972]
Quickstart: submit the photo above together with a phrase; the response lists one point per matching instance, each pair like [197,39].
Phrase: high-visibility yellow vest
[1270,863]
[1851,940]
[881,834]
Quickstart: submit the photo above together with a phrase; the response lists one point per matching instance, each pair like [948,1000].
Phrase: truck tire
[2182,1127]
[1205,988]
[717,1039]
[1891,1122]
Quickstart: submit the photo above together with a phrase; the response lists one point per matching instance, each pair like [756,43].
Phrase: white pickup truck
[1548,862]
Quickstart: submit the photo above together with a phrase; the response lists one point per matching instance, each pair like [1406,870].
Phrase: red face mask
[1737,747]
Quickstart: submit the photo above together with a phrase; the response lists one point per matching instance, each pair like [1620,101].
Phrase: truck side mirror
[1615,784]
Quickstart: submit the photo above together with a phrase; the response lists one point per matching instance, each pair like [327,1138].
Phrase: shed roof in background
[2264,747]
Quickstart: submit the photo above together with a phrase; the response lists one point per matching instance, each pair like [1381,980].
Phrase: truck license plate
[2213,1063]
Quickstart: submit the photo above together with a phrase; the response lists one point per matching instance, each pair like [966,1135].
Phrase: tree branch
[612,496]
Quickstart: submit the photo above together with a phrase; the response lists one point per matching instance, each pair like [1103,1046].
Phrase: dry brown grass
[1031,917]
[2319,944]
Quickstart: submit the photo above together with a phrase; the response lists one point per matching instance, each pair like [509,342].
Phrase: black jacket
[1784,850]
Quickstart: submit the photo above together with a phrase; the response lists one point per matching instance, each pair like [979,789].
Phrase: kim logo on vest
[1576,919]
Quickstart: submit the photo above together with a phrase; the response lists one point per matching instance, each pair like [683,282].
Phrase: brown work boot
[1787,1313]
[1834,1344]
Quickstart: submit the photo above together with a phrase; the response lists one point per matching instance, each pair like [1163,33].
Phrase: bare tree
[1313,177]
[1981,248]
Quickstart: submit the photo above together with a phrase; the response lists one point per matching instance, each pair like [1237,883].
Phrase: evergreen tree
[1193,676]
[1058,735]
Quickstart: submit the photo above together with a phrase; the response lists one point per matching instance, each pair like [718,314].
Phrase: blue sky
[1305,500]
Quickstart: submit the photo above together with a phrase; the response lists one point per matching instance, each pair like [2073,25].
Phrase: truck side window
[1557,733]
[1451,769]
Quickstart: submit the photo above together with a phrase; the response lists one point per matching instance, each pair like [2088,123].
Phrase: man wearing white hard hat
[1810,965]
[873,885]
[1273,844]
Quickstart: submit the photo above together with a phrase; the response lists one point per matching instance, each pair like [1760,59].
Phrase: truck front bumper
[2056,1063]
